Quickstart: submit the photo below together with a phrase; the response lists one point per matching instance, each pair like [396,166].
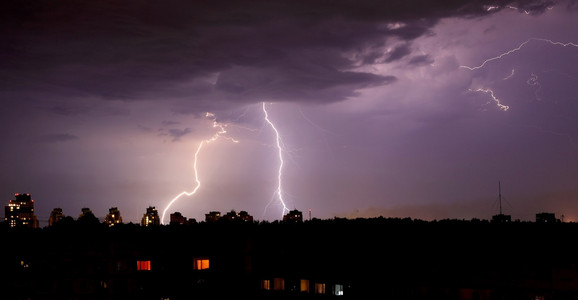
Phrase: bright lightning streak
[494,98]
[216,136]
[279,190]
[517,49]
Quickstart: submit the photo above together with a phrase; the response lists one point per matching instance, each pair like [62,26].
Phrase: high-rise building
[178,218]
[293,216]
[85,211]
[212,216]
[55,216]
[545,217]
[245,216]
[238,216]
[113,217]
[20,212]
[151,217]
[87,217]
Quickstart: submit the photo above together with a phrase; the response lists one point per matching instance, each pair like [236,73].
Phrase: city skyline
[19,212]
[361,109]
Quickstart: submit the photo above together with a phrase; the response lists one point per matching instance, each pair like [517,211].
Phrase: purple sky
[385,108]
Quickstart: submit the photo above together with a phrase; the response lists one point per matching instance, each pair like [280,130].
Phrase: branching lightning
[221,131]
[531,81]
[279,190]
[517,49]
[494,98]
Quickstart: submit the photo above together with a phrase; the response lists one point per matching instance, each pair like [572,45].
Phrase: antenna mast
[500,195]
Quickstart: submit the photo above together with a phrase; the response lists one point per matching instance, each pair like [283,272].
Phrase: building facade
[20,212]
[113,217]
[55,216]
[151,217]
[293,216]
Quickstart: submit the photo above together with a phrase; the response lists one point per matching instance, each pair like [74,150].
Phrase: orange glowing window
[278,284]
[304,285]
[143,265]
[266,284]
[201,263]
[320,288]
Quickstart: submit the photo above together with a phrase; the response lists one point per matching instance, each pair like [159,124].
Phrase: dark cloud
[130,50]
[298,83]
[420,60]
[398,53]
[175,134]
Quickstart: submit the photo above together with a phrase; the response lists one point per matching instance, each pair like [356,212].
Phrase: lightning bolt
[279,190]
[494,98]
[511,74]
[518,49]
[221,131]
[500,56]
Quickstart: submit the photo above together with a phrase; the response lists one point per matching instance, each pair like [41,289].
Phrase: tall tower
[113,217]
[151,217]
[500,195]
[55,216]
[501,218]
[20,212]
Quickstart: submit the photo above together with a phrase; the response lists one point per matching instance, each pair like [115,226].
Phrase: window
[143,265]
[278,284]
[265,284]
[338,291]
[304,286]
[320,288]
[201,263]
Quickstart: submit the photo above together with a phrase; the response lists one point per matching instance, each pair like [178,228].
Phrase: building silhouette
[245,216]
[87,217]
[85,211]
[113,217]
[501,218]
[55,216]
[545,217]
[212,216]
[293,216]
[241,216]
[20,212]
[151,217]
[178,218]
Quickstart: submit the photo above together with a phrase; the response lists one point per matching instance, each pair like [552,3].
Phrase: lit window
[320,288]
[201,263]
[24,264]
[338,290]
[304,285]
[143,265]
[278,284]
[265,284]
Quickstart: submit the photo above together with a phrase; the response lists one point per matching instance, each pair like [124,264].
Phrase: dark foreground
[376,258]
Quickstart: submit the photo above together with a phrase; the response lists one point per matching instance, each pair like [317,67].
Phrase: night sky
[384,108]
